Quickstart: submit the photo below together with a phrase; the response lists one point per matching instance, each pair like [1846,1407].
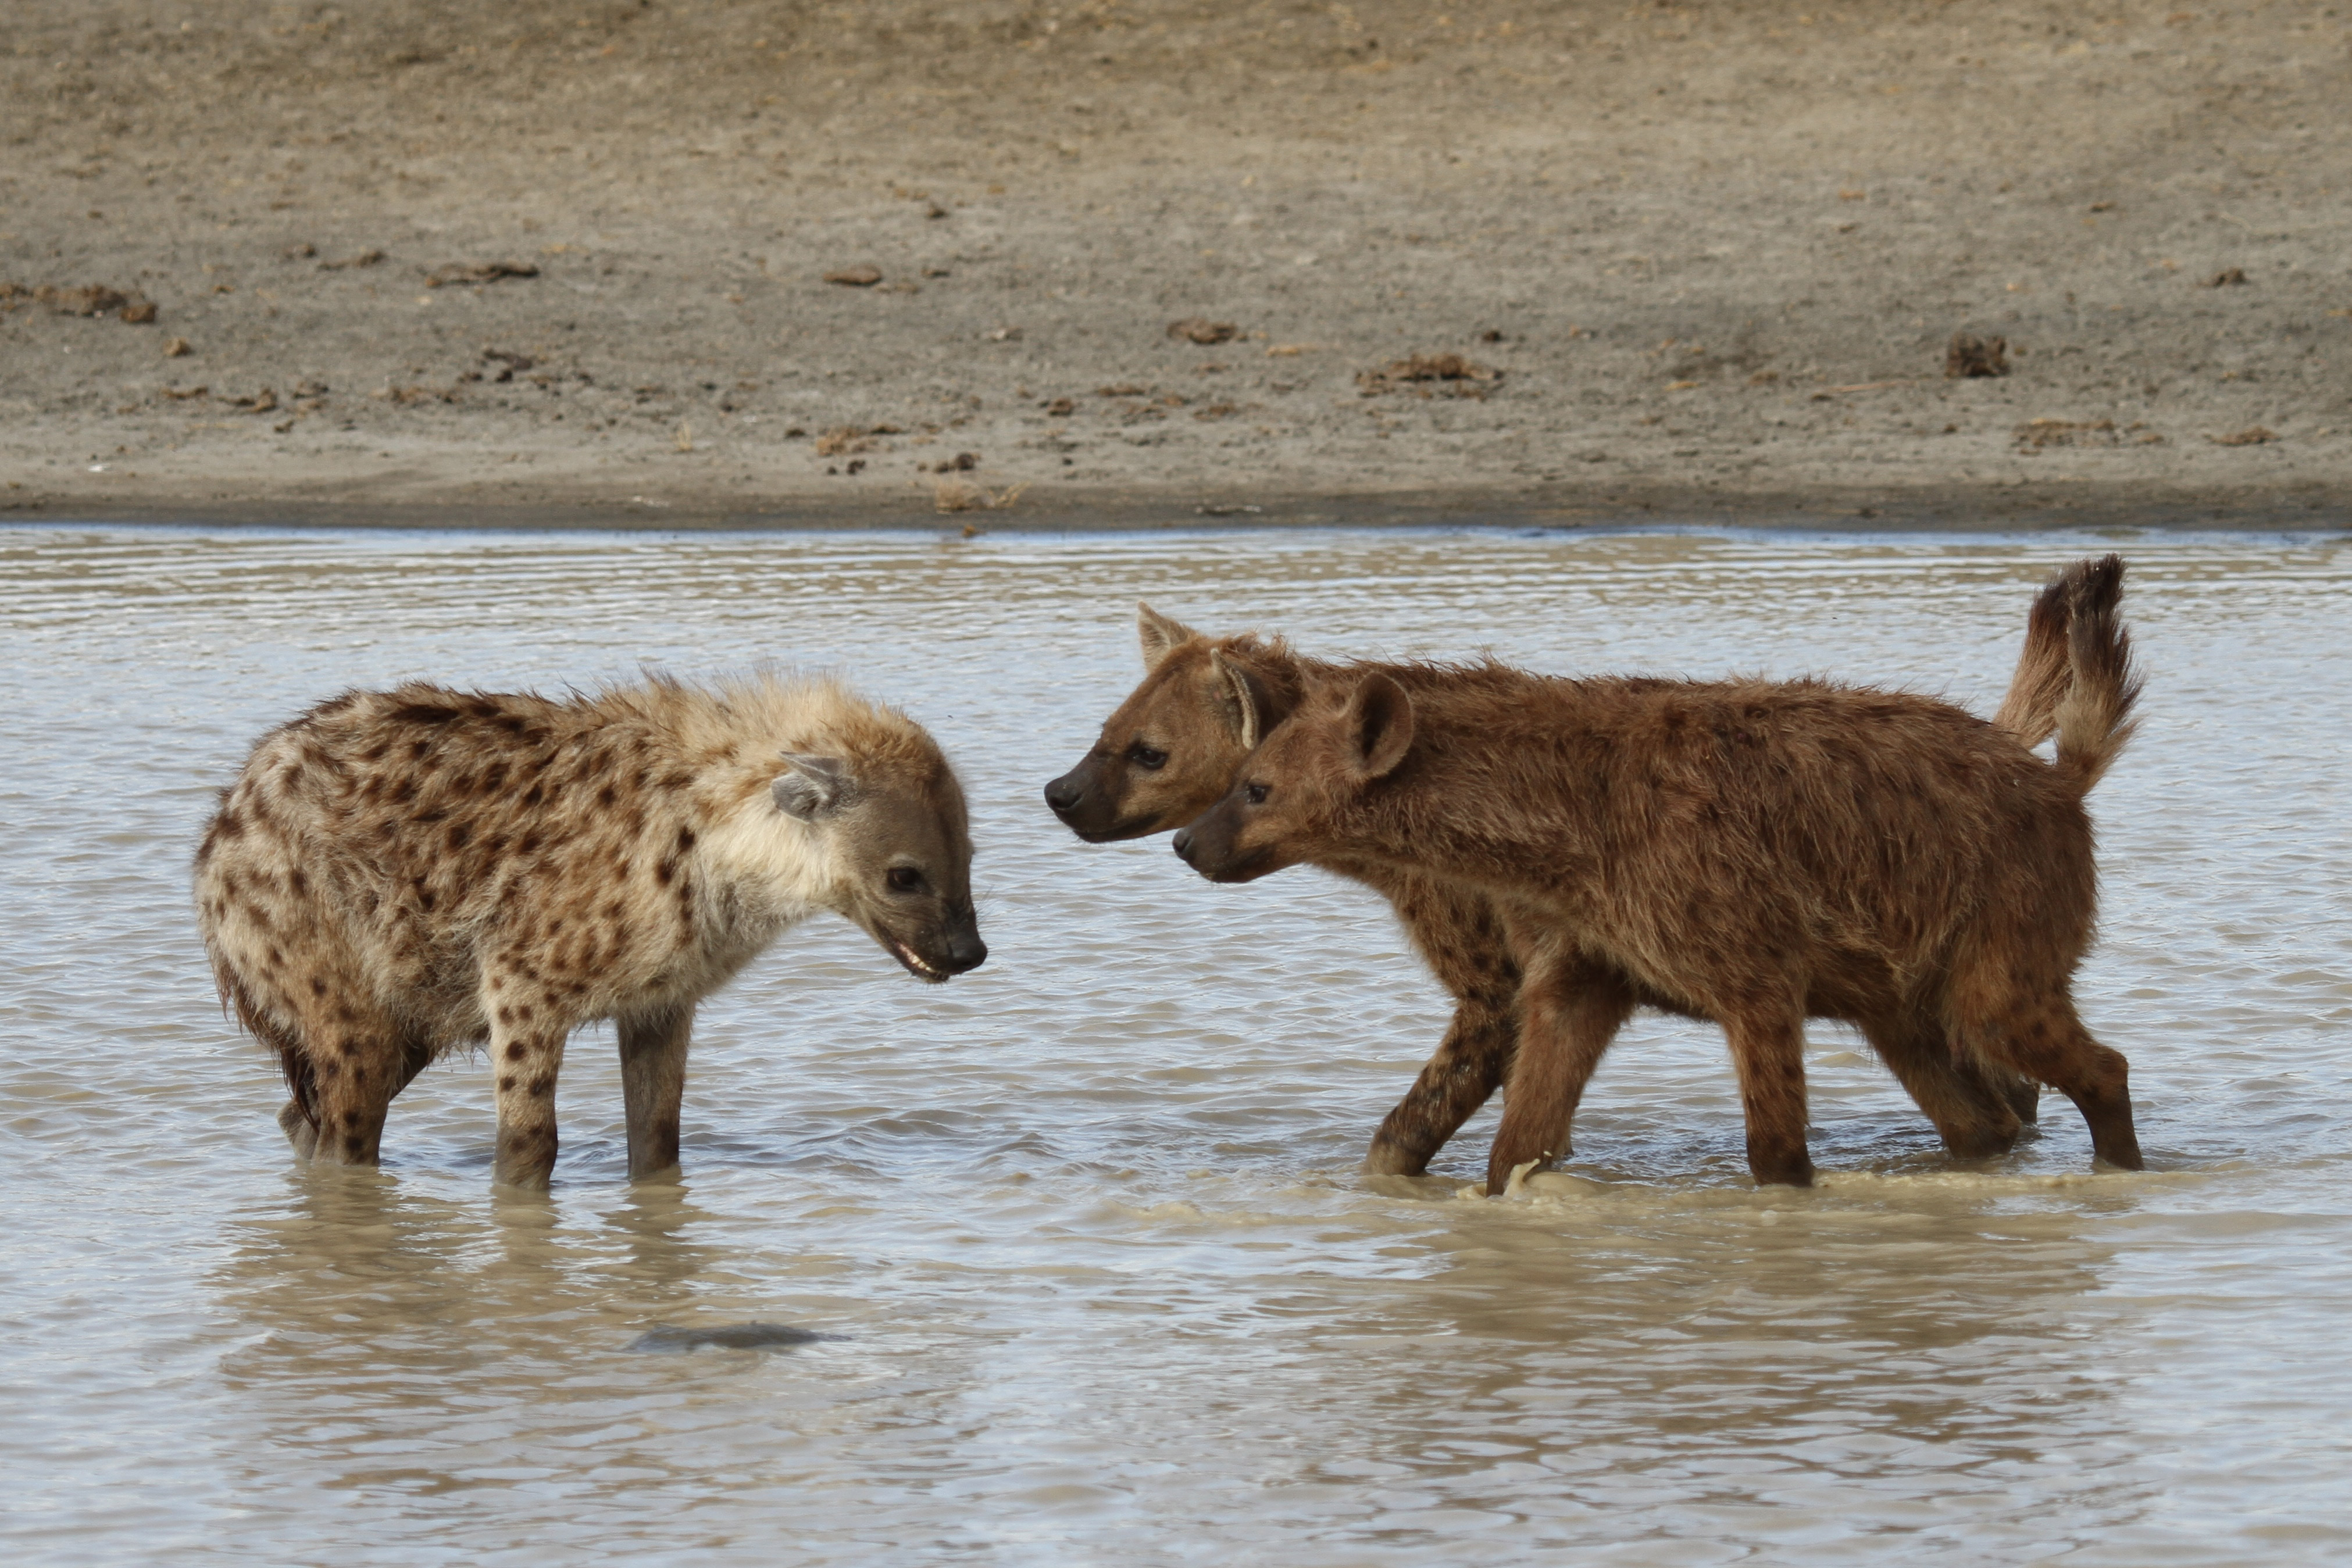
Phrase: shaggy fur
[396,874]
[1172,748]
[1750,852]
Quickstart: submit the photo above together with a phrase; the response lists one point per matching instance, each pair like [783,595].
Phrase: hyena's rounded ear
[1244,705]
[1158,634]
[1378,724]
[810,787]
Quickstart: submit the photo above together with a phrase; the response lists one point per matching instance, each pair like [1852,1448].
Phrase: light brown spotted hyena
[396,874]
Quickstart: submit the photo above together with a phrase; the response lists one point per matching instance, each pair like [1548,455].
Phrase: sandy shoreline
[2113,511]
[1700,263]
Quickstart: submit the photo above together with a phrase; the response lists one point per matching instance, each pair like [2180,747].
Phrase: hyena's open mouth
[915,965]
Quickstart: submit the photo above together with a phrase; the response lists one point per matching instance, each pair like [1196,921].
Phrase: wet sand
[1704,262]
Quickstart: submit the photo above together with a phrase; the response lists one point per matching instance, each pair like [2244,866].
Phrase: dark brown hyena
[1170,751]
[1753,853]
[399,872]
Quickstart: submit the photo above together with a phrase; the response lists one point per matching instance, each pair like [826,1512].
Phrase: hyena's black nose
[1063,795]
[966,952]
[1183,843]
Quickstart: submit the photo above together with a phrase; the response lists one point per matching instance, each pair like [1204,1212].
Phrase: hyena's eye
[1254,794]
[904,879]
[1149,758]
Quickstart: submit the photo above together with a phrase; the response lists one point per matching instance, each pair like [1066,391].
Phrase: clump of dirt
[844,439]
[91,300]
[263,402]
[1201,330]
[2036,433]
[964,495]
[1968,355]
[1061,408]
[364,258]
[2252,435]
[856,276]
[479,272]
[1123,388]
[961,462]
[1453,375]
[2229,276]
[509,362]
[403,396]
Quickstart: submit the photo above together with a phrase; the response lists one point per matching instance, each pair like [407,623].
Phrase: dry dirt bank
[1704,258]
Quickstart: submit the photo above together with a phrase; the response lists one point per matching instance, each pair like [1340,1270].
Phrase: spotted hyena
[1750,852]
[399,872]
[1172,748]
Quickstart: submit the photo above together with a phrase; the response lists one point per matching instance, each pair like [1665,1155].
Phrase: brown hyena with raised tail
[396,874]
[1750,852]
[1172,748]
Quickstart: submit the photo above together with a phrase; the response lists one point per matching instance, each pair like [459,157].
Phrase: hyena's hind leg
[2036,1032]
[1974,1105]
[344,1062]
[416,1054]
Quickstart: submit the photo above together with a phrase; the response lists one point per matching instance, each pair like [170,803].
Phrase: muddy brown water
[1081,1232]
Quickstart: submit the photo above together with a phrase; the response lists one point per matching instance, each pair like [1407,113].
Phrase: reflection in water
[1078,1246]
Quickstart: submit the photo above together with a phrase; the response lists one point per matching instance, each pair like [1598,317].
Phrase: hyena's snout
[1064,794]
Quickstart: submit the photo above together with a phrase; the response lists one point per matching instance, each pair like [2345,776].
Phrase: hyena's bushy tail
[2093,717]
[301,1078]
[2030,711]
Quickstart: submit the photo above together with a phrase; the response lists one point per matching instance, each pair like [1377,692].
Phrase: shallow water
[1083,1227]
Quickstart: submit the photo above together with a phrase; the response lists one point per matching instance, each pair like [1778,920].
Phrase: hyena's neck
[775,871]
[1477,819]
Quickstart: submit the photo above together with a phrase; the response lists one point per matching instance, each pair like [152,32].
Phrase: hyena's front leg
[652,1082]
[1469,1066]
[1465,942]
[1570,1010]
[527,1033]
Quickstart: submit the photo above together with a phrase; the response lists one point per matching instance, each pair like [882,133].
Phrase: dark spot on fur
[540,1088]
[506,1084]
[685,840]
[423,713]
[607,796]
[318,986]
[460,833]
[517,1050]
